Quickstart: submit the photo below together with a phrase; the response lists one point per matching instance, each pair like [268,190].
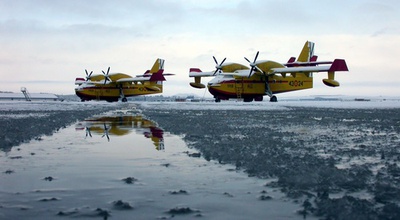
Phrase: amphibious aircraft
[114,86]
[233,80]
[119,125]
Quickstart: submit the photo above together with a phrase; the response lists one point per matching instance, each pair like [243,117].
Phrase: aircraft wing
[337,65]
[196,72]
[226,69]
[240,73]
[101,82]
[158,76]
[134,79]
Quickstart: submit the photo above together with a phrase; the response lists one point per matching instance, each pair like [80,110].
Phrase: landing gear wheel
[247,99]
[273,99]
[258,99]
[217,100]
[124,99]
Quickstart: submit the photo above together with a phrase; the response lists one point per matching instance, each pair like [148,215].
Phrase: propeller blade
[215,60]
[88,74]
[260,70]
[106,75]
[222,61]
[255,58]
[251,71]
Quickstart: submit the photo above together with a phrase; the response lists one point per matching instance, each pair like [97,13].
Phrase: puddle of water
[126,167]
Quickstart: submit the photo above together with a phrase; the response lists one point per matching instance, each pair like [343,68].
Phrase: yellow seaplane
[233,80]
[114,86]
[120,125]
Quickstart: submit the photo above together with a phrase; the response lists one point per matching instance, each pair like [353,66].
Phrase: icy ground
[337,159]
[21,121]
[331,159]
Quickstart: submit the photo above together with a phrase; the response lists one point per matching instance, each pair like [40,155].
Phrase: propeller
[253,67]
[253,64]
[218,66]
[106,75]
[88,74]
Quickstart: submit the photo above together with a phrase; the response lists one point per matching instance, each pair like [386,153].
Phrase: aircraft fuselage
[225,87]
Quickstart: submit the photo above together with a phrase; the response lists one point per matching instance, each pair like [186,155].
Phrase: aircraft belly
[97,92]
[114,92]
[235,90]
[142,90]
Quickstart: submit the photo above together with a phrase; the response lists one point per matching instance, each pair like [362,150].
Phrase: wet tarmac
[336,163]
[184,161]
[121,165]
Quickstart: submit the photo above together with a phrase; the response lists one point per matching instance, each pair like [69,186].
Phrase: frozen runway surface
[226,160]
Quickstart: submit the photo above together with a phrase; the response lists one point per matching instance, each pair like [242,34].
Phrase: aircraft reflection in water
[119,125]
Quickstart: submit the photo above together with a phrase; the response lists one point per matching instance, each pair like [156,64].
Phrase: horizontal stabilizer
[311,63]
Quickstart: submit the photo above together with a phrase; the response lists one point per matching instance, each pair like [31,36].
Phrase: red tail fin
[158,76]
[195,70]
[314,58]
[338,65]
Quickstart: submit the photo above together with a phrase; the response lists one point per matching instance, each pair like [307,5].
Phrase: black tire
[258,99]
[247,99]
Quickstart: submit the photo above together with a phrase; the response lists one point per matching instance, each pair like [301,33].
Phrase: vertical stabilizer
[307,52]
[158,76]
[158,65]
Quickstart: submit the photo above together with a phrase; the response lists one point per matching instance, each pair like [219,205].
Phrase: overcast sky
[46,44]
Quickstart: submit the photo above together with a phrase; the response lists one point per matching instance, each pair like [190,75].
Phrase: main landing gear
[273,99]
[121,94]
